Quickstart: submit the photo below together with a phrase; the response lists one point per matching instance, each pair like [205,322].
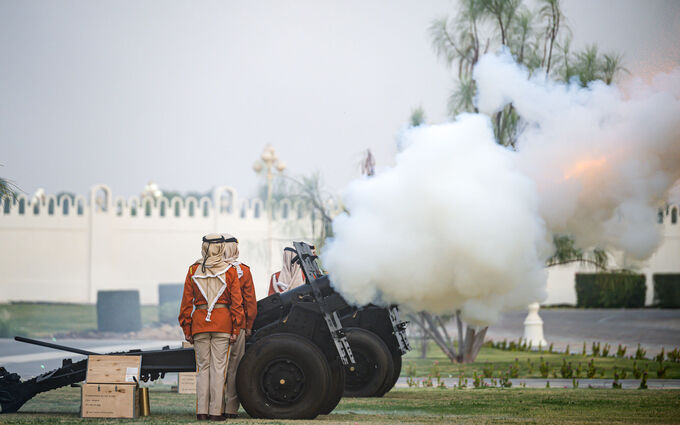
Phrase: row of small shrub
[566,371]
[597,349]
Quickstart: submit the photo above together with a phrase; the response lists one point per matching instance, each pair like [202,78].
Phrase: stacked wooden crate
[186,383]
[111,388]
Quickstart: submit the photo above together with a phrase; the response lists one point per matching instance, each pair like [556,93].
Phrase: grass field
[411,406]
[502,360]
[40,320]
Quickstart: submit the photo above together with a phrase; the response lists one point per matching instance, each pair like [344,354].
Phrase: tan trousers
[237,350]
[211,361]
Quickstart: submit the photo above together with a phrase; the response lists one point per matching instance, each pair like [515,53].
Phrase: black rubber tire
[374,366]
[336,389]
[303,372]
[396,360]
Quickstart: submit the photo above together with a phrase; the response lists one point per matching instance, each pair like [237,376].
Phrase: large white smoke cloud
[602,160]
[462,223]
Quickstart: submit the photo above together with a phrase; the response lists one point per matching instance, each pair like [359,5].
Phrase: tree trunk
[473,343]
[434,328]
[423,344]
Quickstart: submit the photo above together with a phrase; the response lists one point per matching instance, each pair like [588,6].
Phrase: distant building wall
[67,249]
[665,260]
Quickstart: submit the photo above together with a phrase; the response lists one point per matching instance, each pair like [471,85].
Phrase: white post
[533,328]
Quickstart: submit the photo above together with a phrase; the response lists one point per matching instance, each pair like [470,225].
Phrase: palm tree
[612,66]
[565,69]
[521,39]
[588,65]
[502,12]
[312,195]
[551,12]
[457,40]
[541,41]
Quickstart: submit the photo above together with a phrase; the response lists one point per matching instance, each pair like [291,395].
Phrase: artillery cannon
[155,363]
[308,348]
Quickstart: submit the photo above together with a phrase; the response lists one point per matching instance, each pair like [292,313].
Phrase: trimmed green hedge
[610,290]
[667,290]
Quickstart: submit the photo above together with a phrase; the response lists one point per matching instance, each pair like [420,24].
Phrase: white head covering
[291,273]
[231,252]
[209,276]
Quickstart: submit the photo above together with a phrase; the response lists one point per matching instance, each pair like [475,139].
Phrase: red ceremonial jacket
[229,320]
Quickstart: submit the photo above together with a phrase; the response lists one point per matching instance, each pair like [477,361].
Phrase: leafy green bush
[544,368]
[667,290]
[621,351]
[610,290]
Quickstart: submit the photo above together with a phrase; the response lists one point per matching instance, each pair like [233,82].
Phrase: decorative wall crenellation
[101,241]
[224,202]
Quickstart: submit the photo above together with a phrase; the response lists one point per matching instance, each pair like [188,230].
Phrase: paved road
[30,360]
[653,328]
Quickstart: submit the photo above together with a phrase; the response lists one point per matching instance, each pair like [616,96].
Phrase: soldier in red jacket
[238,348]
[212,291]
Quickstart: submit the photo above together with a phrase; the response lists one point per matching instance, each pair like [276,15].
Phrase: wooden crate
[110,401]
[113,369]
[186,382]
[112,387]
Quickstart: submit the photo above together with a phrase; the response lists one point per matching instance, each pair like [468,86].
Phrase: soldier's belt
[205,306]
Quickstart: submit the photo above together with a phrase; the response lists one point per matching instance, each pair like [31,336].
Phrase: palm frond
[462,97]
[612,67]
[8,189]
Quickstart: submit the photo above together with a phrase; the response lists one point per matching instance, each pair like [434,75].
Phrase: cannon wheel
[396,359]
[374,366]
[283,376]
[337,387]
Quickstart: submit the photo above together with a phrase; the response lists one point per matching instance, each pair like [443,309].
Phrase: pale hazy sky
[187,93]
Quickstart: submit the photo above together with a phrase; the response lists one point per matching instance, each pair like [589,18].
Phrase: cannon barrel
[55,346]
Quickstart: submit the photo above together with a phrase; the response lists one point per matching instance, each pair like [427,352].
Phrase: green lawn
[407,406]
[502,360]
[43,319]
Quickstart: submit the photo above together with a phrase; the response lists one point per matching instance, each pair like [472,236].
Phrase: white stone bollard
[533,328]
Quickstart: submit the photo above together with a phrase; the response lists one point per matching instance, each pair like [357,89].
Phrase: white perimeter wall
[49,255]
